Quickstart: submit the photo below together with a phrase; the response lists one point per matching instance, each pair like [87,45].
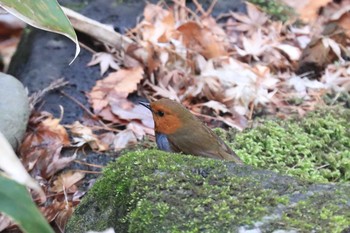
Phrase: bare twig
[80,105]
[92,115]
[90,172]
[88,164]
[87,48]
[199,7]
[188,10]
[211,8]
[37,96]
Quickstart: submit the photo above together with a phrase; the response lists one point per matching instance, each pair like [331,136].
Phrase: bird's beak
[147,105]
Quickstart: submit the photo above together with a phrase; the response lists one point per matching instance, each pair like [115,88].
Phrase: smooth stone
[14,109]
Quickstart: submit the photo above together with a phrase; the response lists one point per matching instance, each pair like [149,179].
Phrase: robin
[178,130]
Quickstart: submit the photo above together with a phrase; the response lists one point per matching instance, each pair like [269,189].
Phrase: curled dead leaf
[123,139]
[84,135]
[202,40]
[65,180]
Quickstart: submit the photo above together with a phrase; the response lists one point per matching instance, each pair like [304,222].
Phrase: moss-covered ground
[315,148]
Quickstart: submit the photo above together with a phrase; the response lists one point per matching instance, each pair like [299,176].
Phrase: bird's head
[169,116]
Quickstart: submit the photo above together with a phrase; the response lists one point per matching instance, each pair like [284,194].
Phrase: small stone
[14,109]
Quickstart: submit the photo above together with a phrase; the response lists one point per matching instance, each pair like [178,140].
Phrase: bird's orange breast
[167,124]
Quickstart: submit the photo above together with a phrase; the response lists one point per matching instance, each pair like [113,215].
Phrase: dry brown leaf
[238,84]
[54,209]
[337,78]
[142,55]
[134,131]
[344,22]
[42,141]
[53,163]
[105,60]
[140,130]
[123,139]
[250,23]
[210,23]
[165,92]
[216,106]
[236,121]
[323,50]
[84,135]
[293,52]
[116,86]
[136,55]
[202,40]
[50,129]
[126,110]
[334,10]
[124,81]
[256,46]
[158,25]
[107,138]
[65,180]
[307,9]
[63,216]
[53,125]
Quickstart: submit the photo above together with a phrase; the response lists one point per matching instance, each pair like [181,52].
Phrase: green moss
[318,213]
[214,194]
[275,8]
[316,148]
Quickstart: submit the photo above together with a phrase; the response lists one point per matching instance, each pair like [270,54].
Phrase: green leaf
[16,203]
[43,14]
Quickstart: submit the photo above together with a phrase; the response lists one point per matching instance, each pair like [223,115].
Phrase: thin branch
[36,97]
[211,8]
[93,116]
[90,172]
[88,164]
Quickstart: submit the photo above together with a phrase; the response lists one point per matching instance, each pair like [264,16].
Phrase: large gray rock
[14,109]
[154,191]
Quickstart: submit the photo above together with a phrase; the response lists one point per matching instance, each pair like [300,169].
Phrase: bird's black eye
[160,113]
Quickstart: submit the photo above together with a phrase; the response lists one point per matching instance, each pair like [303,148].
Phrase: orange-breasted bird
[178,130]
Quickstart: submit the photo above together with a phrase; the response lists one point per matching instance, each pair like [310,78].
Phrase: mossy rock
[154,191]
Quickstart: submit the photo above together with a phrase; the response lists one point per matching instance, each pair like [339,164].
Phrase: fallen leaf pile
[41,154]
[231,70]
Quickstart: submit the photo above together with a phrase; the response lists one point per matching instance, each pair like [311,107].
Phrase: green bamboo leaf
[43,14]
[16,203]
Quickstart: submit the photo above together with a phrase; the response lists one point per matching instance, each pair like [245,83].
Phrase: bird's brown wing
[201,141]
[222,149]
